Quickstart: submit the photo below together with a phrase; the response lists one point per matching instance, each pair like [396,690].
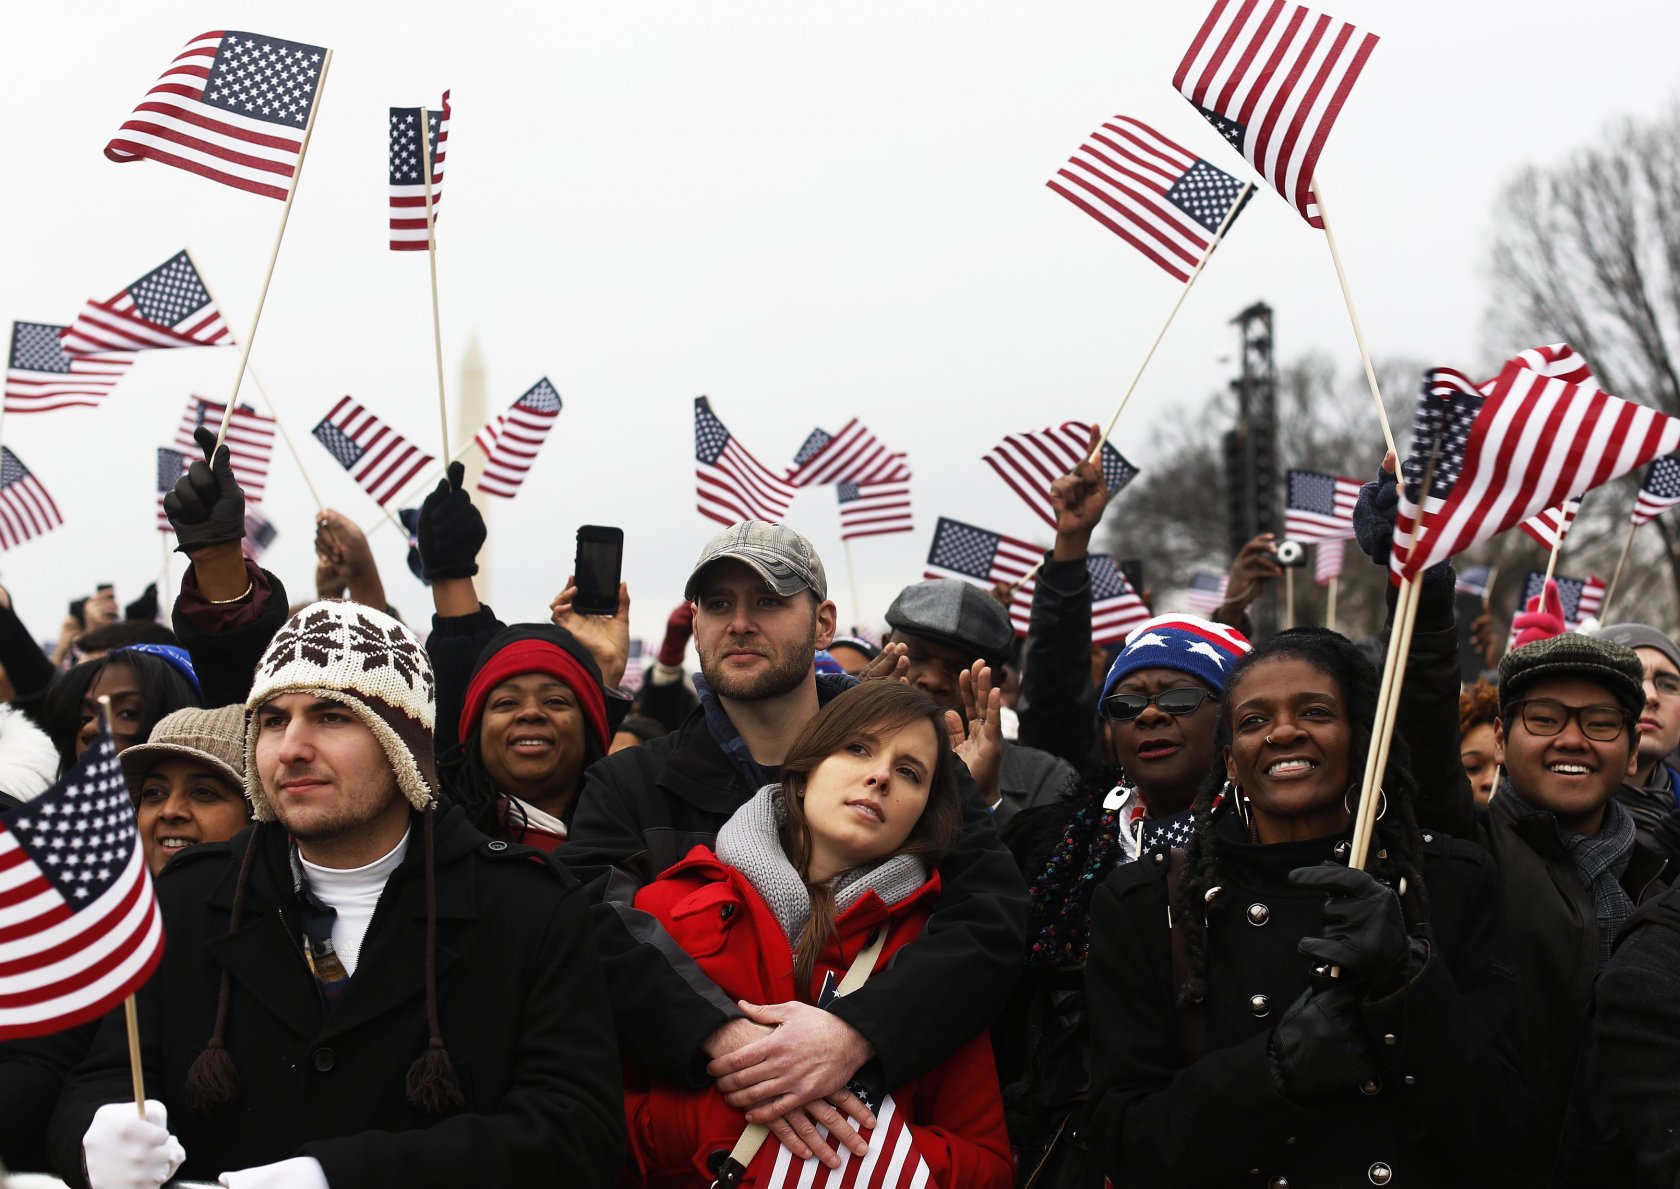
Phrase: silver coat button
[1410,1080]
[1259,1005]
[1258,914]
[1390,1039]
[1374,1086]
[1380,1173]
[1278,1183]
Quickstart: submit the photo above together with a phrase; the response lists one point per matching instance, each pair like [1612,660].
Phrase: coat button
[1390,1039]
[1259,1005]
[1380,1173]
[1410,1080]
[322,1060]
[1278,1183]
[1343,849]
[1374,1086]
[498,846]
[1258,914]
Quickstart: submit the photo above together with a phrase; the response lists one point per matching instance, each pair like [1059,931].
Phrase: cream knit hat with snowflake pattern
[371,665]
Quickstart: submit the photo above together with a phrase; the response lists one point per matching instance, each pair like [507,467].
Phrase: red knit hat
[531,653]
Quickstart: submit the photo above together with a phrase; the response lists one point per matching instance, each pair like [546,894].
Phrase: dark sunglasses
[1183,700]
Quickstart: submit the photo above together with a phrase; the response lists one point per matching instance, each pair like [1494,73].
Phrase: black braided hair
[1397,840]
[467,783]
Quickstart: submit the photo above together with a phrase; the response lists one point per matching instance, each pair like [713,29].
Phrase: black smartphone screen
[600,561]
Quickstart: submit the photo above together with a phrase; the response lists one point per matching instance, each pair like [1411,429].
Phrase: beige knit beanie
[371,665]
[214,737]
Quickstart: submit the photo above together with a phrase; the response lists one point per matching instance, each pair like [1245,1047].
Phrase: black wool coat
[522,1011]
[1448,1089]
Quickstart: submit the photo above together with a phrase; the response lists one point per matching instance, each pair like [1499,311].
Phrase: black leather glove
[207,506]
[144,608]
[1364,930]
[1319,1047]
[451,530]
[1374,514]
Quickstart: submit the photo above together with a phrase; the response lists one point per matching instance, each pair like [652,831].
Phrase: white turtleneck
[352,893]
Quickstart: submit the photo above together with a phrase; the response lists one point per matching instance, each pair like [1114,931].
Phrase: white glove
[300,1172]
[124,1151]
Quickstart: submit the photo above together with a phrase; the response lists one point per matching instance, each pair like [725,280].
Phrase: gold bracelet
[252,585]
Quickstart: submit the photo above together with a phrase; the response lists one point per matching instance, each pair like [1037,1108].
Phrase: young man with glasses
[1572,866]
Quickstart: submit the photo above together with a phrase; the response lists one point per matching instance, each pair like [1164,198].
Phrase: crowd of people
[946,907]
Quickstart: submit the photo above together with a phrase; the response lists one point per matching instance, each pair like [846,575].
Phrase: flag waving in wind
[731,484]
[854,455]
[1319,506]
[1660,491]
[232,107]
[511,442]
[26,510]
[379,459]
[408,180]
[1030,462]
[1272,77]
[250,441]
[1156,195]
[41,378]
[1549,526]
[168,307]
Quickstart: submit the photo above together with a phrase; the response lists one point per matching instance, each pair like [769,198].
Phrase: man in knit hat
[361,990]
[761,610]
[1652,792]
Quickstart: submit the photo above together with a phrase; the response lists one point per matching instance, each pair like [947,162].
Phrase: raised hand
[606,637]
[1078,499]
[978,742]
[451,529]
[207,506]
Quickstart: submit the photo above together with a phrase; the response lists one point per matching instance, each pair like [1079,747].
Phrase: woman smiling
[1330,1026]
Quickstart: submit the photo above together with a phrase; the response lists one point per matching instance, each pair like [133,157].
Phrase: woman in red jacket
[803,876]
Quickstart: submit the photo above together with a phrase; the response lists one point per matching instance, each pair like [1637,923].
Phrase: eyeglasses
[1545,717]
[1186,699]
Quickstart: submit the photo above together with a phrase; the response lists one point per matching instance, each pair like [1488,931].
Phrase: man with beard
[761,611]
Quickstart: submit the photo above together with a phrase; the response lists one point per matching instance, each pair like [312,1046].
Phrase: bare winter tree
[1588,252]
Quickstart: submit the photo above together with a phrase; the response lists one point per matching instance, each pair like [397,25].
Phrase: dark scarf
[726,736]
[1599,864]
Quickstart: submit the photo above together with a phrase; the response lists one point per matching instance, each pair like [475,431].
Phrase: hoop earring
[1382,803]
[1240,803]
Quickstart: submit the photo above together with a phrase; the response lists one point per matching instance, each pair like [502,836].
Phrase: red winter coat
[718,917]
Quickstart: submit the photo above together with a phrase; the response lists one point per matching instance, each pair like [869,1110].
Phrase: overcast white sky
[807,212]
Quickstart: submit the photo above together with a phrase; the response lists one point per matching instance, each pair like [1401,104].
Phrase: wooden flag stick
[1616,578]
[1288,597]
[1330,605]
[11,332]
[1353,315]
[1551,562]
[320,505]
[130,1016]
[431,259]
[274,253]
[1487,593]
[1218,235]
[851,579]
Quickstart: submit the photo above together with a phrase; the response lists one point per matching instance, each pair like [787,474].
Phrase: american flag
[1550,526]
[1272,77]
[1582,598]
[168,307]
[874,509]
[1319,505]
[731,485]
[232,107]
[1030,462]
[26,510]
[1156,195]
[171,465]
[1474,580]
[80,929]
[985,559]
[1523,443]
[250,441]
[41,378]
[378,458]
[1327,560]
[259,534]
[511,442]
[1660,491]
[854,455]
[408,182]
[893,1162]
[1206,592]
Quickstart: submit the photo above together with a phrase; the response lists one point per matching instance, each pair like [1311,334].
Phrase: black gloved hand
[1374,514]
[1319,1047]
[451,530]
[144,608]
[207,506]
[1364,930]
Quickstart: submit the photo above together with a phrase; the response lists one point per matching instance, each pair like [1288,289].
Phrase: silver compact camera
[1291,554]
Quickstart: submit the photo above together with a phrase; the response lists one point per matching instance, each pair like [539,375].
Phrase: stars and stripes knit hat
[1188,643]
[371,665]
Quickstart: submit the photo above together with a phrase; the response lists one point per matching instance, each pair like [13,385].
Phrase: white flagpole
[1353,315]
[431,259]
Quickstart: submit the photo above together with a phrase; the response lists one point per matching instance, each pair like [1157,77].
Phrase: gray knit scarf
[750,841]
[1599,864]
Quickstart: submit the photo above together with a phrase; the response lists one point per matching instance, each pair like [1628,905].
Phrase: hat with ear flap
[370,664]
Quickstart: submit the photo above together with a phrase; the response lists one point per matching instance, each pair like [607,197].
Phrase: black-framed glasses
[1544,717]
[1186,699]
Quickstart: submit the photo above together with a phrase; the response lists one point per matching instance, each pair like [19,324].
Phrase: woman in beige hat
[188,781]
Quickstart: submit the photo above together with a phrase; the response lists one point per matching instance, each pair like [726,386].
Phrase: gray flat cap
[955,613]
